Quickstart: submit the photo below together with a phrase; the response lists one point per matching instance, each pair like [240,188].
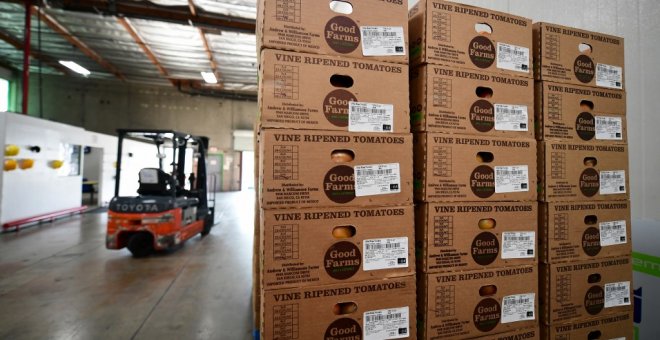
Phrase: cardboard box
[462,36]
[469,304]
[256,259]
[582,172]
[578,113]
[570,55]
[455,168]
[519,334]
[304,168]
[578,231]
[459,101]
[614,327]
[307,91]
[349,245]
[373,29]
[366,310]
[468,236]
[585,289]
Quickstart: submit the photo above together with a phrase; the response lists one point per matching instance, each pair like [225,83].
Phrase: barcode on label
[517,238]
[381,246]
[507,49]
[379,34]
[374,172]
[357,109]
[504,172]
[381,317]
[604,68]
[503,109]
[518,301]
[611,176]
[611,227]
[615,288]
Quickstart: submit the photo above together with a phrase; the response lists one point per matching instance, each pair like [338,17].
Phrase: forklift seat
[155,182]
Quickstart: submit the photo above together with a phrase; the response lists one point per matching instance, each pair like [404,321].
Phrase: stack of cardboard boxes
[583,175]
[472,111]
[334,253]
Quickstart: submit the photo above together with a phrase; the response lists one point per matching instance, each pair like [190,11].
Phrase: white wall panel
[650,112]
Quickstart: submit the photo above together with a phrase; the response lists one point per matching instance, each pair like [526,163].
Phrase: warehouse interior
[192,66]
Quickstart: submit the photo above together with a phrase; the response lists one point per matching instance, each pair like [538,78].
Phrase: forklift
[164,214]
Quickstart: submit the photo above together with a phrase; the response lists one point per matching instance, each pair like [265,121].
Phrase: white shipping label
[518,307]
[621,338]
[518,244]
[612,182]
[385,253]
[512,57]
[382,40]
[370,117]
[391,323]
[617,294]
[377,179]
[612,233]
[511,117]
[609,76]
[609,128]
[513,178]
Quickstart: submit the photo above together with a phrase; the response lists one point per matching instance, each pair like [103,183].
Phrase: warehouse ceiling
[152,42]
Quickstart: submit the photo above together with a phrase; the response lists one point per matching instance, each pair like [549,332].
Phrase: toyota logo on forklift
[170,207]
[137,208]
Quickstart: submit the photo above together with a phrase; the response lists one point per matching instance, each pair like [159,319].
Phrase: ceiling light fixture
[75,67]
[209,77]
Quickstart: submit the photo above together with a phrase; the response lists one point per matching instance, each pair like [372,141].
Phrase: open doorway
[91,175]
[247,170]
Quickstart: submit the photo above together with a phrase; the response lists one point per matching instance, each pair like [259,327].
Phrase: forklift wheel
[205,231]
[208,224]
[141,244]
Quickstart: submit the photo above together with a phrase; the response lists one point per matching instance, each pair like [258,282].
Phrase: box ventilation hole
[343,308]
[342,156]
[341,7]
[343,231]
[483,28]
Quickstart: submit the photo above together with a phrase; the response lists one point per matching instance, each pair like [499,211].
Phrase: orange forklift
[164,214]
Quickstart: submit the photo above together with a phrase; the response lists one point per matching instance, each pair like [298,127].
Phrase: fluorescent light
[75,67]
[209,77]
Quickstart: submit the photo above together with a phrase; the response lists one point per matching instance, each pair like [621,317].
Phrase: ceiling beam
[199,88]
[17,44]
[145,48]
[149,11]
[61,30]
[209,54]
[191,5]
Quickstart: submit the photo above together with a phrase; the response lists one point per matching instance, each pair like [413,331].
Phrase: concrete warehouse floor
[57,281]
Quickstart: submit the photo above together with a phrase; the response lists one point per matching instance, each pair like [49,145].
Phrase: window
[4,95]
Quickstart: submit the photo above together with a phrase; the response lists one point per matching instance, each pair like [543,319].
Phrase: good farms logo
[482,52]
[342,34]
[584,68]
[482,181]
[335,107]
[342,260]
[339,184]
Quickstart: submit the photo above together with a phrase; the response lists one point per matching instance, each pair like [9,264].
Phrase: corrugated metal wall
[637,21]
